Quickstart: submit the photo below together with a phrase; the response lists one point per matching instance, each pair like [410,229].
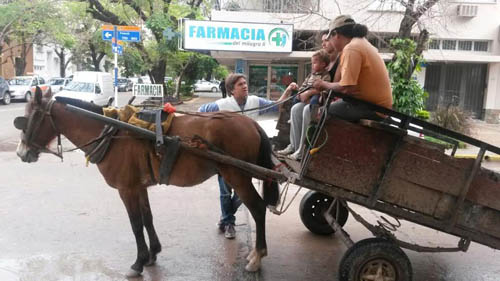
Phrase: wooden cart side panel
[485,189]
[352,157]
[480,219]
[411,196]
[430,169]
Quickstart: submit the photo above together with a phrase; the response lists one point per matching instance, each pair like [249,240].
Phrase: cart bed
[380,167]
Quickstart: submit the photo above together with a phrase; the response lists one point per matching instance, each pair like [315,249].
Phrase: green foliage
[220,72]
[423,114]
[446,145]
[186,89]
[408,95]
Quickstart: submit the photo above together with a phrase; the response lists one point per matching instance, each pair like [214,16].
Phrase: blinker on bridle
[30,125]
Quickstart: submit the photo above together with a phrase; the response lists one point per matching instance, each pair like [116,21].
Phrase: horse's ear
[38,95]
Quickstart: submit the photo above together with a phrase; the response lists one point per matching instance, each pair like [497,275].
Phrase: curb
[474,156]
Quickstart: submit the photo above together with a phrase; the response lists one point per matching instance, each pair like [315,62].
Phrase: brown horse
[131,164]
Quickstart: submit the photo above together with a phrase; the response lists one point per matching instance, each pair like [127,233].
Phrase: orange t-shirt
[361,66]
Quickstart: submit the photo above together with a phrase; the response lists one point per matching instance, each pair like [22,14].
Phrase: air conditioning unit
[467,10]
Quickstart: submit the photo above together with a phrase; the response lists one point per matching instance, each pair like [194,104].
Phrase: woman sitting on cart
[362,72]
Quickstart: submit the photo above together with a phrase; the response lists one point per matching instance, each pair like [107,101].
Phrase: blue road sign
[131,36]
[107,35]
[117,49]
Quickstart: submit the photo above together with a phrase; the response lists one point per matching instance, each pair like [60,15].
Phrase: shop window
[257,80]
[281,77]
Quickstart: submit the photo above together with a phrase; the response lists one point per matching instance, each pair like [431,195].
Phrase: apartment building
[40,60]
[462,62]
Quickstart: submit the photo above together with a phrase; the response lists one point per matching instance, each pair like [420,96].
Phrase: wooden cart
[379,166]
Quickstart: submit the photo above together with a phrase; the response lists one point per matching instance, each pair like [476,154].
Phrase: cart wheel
[375,259]
[312,207]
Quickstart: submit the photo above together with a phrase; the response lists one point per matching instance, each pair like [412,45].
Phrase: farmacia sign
[237,36]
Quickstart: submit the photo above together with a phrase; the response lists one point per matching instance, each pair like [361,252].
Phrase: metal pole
[115,38]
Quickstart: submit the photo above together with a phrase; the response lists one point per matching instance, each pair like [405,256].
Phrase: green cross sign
[277,39]
[169,34]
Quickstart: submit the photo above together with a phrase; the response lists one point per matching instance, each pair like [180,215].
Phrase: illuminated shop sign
[237,36]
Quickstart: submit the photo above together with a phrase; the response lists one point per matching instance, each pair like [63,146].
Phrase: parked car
[58,83]
[91,86]
[23,87]
[124,85]
[203,86]
[4,91]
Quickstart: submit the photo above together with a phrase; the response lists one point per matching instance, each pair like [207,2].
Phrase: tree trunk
[20,63]
[95,56]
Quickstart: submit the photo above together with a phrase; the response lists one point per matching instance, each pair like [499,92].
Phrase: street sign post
[118,34]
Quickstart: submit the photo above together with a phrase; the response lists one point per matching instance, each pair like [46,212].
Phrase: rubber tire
[6,99]
[27,96]
[312,206]
[370,249]
[214,90]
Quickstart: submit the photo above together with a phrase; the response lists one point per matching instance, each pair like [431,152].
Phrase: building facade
[462,63]
[40,60]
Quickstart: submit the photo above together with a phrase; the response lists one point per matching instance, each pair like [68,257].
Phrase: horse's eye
[21,123]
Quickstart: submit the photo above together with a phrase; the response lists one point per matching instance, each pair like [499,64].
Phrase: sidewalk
[489,133]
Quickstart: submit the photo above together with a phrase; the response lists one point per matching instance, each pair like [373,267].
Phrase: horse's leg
[147,219]
[243,186]
[131,200]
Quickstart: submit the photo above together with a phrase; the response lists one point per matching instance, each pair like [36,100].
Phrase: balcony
[271,6]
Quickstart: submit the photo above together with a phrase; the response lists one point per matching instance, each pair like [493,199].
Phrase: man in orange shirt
[362,71]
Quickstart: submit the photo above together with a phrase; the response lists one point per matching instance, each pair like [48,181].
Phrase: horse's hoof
[131,273]
[151,262]
[252,266]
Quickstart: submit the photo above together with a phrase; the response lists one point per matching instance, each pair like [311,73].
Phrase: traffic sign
[128,28]
[131,36]
[117,49]
[107,35]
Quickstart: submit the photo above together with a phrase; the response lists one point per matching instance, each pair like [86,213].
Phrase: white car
[205,86]
[58,83]
[23,87]
[90,86]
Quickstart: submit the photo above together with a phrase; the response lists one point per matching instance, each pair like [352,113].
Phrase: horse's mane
[81,104]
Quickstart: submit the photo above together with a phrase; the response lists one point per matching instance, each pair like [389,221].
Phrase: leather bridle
[31,124]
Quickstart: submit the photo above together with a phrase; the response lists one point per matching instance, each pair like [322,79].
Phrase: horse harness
[31,124]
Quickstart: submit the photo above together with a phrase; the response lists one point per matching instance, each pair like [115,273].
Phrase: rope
[314,150]
[282,208]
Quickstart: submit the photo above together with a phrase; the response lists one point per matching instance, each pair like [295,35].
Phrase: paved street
[60,221]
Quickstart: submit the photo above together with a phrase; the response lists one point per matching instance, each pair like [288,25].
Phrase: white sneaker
[296,155]
[288,150]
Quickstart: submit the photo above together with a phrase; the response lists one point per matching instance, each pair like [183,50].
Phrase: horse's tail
[271,187]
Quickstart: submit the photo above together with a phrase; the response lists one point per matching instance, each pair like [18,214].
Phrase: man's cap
[340,21]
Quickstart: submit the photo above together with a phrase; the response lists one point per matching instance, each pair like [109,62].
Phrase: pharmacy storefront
[263,52]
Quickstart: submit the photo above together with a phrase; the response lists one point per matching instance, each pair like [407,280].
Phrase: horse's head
[37,131]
